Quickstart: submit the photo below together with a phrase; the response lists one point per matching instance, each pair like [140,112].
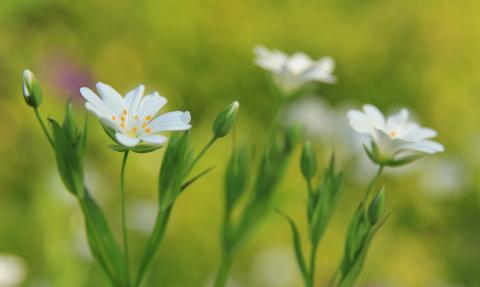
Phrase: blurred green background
[424,55]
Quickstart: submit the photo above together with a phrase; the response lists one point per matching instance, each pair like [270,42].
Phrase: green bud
[225,119]
[377,207]
[31,89]
[308,162]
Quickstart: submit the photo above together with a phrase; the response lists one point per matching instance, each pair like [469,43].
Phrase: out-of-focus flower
[444,177]
[394,141]
[12,270]
[142,216]
[292,72]
[275,267]
[133,118]
[31,89]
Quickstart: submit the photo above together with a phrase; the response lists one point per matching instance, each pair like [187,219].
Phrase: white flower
[12,270]
[292,72]
[395,140]
[134,117]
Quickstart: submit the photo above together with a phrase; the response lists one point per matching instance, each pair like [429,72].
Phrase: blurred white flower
[292,72]
[13,270]
[444,177]
[134,117]
[142,216]
[275,267]
[395,140]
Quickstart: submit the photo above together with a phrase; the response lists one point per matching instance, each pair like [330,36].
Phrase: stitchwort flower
[292,72]
[394,140]
[133,118]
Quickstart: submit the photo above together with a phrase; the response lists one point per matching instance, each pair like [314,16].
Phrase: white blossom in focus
[134,117]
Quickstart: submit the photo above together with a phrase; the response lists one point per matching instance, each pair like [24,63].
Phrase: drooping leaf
[296,244]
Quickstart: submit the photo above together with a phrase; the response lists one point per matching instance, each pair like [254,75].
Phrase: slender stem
[124,223]
[44,128]
[372,183]
[313,259]
[369,190]
[202,152]
[223,270]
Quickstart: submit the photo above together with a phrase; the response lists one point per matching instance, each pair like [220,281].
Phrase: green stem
[313,259]
[153,243]
[372,183]
[124,223]
[44,128]
[223,270]
[202,152]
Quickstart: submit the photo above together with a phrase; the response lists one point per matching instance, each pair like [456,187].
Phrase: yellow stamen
[392,134]
[122,125]
[134,130]
[122,118]
[125,112]
[147,118]
[135,117]
[114,118]
[148,130]
[144,125]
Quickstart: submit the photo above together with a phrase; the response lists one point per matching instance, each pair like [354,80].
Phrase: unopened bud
[377,207]
[308,161]
[225,119]
[31,89]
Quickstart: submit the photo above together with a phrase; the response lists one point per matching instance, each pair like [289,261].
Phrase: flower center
[393,134]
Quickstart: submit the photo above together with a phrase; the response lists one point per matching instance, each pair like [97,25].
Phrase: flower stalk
[124,220]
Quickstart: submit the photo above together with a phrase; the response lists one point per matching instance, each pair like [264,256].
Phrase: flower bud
[225,119]
[308,162]
[377,207]
[31,89]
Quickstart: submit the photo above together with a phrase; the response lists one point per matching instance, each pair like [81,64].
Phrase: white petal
[414,132]
[426,146]
[94,100]
[272,61]
[359,122]
[397,121]
[299,63]
[151,104]
[173,121]
[126,140]
[133,98]
[375,116]
[111,97]
[153,139]
[321,71]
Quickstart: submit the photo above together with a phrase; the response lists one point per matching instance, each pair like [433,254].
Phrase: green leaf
[68,163]
[296,245]
[101,241]
[175,167]
[326,202]
[236,177]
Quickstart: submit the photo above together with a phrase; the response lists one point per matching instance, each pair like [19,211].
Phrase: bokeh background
[423,55]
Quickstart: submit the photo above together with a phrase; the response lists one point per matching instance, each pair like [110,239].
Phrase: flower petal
[153,139]
[126,140]
[375,116]
[151,104]
[96,102]
[359,122]
[111,97]
[172,121]
[426,146]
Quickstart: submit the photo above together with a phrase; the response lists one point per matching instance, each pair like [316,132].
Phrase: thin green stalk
[44,128]
[223,270]
[313,259]
[372,183]
[124,223]
[202,152]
